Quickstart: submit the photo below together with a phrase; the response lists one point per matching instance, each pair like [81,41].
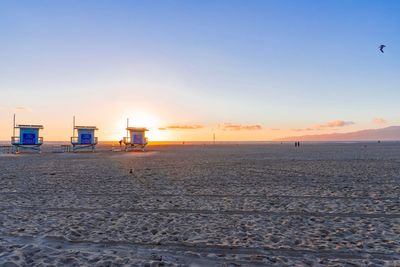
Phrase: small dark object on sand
[130,171]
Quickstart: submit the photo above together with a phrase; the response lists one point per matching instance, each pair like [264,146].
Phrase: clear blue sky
[277,64]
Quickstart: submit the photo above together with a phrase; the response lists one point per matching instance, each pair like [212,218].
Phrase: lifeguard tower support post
[136,137]
[83,137]
[28,138]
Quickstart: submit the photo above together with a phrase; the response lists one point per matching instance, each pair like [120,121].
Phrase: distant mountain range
[391,133]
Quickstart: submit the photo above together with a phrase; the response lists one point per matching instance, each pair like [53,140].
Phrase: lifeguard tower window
[85,136]
[138,138]
[29,136]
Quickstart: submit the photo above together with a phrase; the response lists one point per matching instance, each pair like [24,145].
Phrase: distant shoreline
[157,143]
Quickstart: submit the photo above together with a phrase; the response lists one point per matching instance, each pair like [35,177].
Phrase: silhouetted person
[120,143]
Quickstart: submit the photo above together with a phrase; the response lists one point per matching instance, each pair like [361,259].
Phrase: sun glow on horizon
[142,119]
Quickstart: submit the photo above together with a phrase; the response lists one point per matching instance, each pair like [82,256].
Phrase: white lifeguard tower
[135,138]
[83,137]
[28,138]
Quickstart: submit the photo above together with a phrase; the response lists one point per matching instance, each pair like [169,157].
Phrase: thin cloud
[336,123]
[182,127]
[302,129]
[319,127]
[379,121]
[15,109]
[240,127]
[275,129]
[23,109]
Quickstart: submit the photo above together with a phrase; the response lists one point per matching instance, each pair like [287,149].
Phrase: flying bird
[381,48]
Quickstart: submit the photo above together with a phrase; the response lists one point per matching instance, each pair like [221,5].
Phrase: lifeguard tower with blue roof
[28,138]
[136,138]
[83,138]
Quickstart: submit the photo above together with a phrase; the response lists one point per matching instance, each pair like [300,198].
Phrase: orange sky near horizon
[112,126]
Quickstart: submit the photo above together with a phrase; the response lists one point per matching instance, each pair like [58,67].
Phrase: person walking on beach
[120,143]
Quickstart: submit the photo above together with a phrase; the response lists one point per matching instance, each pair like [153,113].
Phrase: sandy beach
[203,205]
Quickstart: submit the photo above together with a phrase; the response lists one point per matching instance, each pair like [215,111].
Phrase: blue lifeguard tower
[28,138]
[136,138]
[83,138]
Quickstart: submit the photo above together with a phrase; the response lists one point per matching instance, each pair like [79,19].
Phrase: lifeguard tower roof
[29,126]
[85,128]
[136,129]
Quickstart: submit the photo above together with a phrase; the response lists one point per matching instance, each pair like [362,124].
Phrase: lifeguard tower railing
[135,143]
[128,140]
[16,140]
[75,141]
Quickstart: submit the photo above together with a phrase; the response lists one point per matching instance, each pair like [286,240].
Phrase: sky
[244,70]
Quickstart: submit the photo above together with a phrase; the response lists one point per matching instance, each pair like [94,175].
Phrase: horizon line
[234,141]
